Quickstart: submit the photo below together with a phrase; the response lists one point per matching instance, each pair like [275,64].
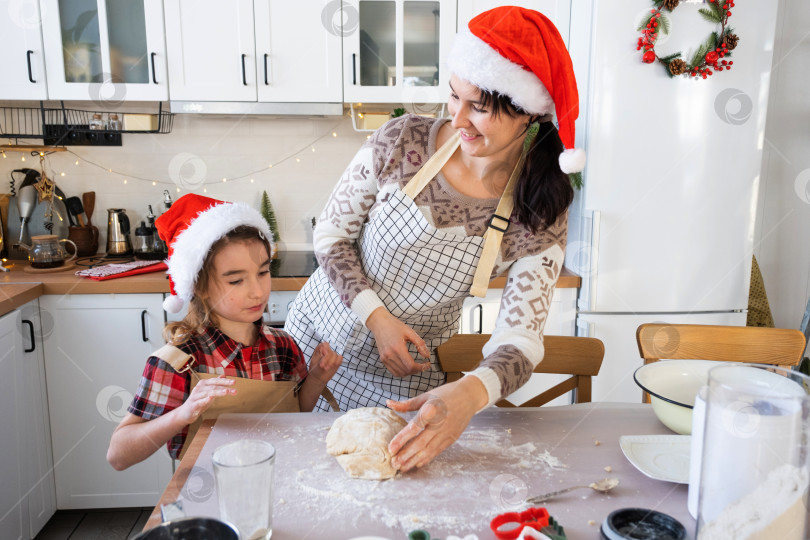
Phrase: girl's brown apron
[252,396]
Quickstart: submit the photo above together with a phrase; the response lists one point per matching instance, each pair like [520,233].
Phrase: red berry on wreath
[728,14]
[730,62]
[649,57]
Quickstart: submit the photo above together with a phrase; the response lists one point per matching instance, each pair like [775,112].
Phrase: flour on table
[459,480]
[359,440]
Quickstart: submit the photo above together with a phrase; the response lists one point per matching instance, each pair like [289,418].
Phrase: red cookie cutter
[536,518]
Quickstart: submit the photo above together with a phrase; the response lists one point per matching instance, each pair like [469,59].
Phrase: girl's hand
[392,337]
[202,396]
[324,363]
[444,414]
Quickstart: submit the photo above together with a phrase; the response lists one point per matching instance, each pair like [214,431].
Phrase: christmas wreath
[709,57]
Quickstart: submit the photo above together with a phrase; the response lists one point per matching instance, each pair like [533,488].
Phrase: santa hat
[190,227]
[519,53]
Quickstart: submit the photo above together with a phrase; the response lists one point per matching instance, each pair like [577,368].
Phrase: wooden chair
[579,357]
[776,346]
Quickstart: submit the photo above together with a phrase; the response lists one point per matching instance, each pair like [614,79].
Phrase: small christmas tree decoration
[269,216]
[707,58]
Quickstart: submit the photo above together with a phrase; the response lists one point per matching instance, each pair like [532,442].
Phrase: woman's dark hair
[543,192]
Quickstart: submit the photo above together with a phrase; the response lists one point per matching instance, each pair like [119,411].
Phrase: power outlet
[59,134]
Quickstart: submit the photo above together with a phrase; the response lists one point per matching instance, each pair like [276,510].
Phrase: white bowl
[673,386]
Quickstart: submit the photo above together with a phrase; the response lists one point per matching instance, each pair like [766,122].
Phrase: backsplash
[197,155]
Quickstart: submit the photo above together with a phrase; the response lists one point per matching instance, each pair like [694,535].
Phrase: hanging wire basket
[46,123]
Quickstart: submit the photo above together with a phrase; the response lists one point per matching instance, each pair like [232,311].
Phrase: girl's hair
[200,315]
[543,192]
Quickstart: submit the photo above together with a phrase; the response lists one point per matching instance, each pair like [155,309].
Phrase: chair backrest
[777,346]
[580,357]
[755,345]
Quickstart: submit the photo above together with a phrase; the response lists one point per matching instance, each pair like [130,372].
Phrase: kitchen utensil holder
[62,126]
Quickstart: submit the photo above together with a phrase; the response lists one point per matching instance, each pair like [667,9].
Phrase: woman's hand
[392,337]
[324,363]
[444,414]
[202,396]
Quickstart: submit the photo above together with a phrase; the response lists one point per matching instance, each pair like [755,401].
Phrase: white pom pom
[173,304]
[572,160]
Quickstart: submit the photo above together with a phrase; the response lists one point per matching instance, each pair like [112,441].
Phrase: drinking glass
[755,468]
[244,477]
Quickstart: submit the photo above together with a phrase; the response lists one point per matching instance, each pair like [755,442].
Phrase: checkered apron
[420,273]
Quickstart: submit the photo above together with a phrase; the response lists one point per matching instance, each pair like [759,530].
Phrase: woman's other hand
[392,337]
[324,363]
[202,396]
[444,414]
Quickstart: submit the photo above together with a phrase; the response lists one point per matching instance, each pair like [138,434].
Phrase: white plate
[662,457]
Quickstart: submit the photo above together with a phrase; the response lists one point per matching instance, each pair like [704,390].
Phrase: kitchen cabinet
[394,51]
[559,11]
[23,60]
[105,51]
[94,357]
[27,497]
[254,50]
[40,486]
[13,505]
[479,315]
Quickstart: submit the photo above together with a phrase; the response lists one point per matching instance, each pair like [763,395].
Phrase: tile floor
[103,524]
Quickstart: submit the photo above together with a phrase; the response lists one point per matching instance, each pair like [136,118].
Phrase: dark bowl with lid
[641,524]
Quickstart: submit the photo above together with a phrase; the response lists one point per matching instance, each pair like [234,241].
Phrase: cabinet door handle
[30,75]
[265,70]
[244,75]
[154,79]
[480,308]
[354,68]
[31,331]
[143,325]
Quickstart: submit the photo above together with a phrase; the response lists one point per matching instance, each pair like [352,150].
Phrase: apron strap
[176,358]
[498,223]
[432,167]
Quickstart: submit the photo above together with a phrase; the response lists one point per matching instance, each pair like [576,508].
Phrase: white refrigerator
[663,228]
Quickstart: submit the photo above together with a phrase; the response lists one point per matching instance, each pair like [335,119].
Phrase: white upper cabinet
[559,11]
[267,50]
[298,50]
[23,60]
[211,50]
[105,50]
[394,51]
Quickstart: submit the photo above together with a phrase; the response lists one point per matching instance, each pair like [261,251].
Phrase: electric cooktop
[293,264]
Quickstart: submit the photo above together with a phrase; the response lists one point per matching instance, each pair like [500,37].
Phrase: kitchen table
[504,456]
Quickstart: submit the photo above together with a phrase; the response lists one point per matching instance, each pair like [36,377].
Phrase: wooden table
[504,456]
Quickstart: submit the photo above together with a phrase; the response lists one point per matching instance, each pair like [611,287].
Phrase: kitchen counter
[18,287]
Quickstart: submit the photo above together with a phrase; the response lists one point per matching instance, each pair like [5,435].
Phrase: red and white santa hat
[190,227]
[519,52]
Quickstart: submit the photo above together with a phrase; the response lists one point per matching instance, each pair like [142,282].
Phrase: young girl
[219,262]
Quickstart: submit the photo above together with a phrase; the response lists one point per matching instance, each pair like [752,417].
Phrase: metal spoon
[602,486]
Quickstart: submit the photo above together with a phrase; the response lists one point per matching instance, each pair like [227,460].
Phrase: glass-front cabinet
[105,50]
[395,50]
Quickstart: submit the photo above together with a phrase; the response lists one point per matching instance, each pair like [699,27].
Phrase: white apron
[422,276]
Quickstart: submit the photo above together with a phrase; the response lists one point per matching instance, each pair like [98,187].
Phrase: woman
[400,239]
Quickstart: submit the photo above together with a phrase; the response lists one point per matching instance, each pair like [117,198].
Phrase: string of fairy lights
[125,177]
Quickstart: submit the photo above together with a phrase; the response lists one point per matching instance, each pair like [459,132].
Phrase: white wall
[211,148]
[783,223]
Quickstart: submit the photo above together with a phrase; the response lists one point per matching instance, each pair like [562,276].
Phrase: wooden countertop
[18,287]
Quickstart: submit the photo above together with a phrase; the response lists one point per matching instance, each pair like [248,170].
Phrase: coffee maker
[118,242]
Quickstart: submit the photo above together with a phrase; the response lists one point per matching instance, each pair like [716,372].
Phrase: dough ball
[359,440]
